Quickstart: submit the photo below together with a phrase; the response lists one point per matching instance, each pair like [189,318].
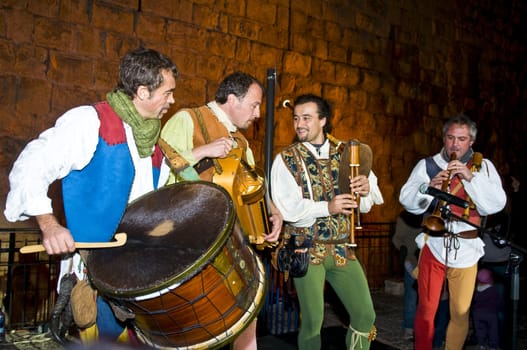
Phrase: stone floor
[389,319]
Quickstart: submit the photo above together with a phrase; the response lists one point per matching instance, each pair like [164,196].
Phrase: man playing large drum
[106,156]
[199,137]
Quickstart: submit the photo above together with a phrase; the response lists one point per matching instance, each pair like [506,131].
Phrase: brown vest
[243,183]
[209,124]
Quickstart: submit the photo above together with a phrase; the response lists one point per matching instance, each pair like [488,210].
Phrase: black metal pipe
[269,124]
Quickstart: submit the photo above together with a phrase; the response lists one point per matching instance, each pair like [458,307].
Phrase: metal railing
[376,252]
[29,281]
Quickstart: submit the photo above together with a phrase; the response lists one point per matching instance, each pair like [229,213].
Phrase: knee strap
[356,336]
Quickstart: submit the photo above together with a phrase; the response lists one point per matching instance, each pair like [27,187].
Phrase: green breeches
[350,285]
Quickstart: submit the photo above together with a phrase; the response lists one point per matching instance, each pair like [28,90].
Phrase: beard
[302,135]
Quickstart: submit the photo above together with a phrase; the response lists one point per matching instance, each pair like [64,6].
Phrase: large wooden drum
[186,271]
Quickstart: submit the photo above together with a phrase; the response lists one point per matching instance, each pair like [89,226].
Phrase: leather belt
[470,234]
[332,241]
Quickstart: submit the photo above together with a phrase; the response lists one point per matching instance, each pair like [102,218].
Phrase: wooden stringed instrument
[247,188]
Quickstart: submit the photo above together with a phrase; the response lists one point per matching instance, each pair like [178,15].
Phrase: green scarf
[146,131]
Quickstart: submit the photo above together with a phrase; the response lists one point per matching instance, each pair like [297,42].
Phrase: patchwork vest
[96,196]
[322,174]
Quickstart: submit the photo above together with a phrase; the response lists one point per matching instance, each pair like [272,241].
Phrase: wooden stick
[119,240]
[354,171]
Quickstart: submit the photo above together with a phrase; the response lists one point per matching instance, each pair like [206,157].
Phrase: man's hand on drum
[55,238]
[277,221]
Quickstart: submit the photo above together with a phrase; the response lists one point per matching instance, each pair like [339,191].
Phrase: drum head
[172,233]
[365,160]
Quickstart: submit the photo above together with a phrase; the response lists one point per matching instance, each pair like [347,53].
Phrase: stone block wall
[393,70]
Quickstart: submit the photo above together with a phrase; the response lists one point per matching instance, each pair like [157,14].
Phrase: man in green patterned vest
[305,188]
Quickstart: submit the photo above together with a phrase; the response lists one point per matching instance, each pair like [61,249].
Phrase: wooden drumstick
[119,240]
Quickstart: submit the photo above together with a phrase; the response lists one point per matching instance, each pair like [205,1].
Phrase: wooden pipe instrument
[434,223]
[354,171]
[477,159]
[356,159]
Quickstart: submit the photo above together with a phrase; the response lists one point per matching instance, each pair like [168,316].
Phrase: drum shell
[186,272]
